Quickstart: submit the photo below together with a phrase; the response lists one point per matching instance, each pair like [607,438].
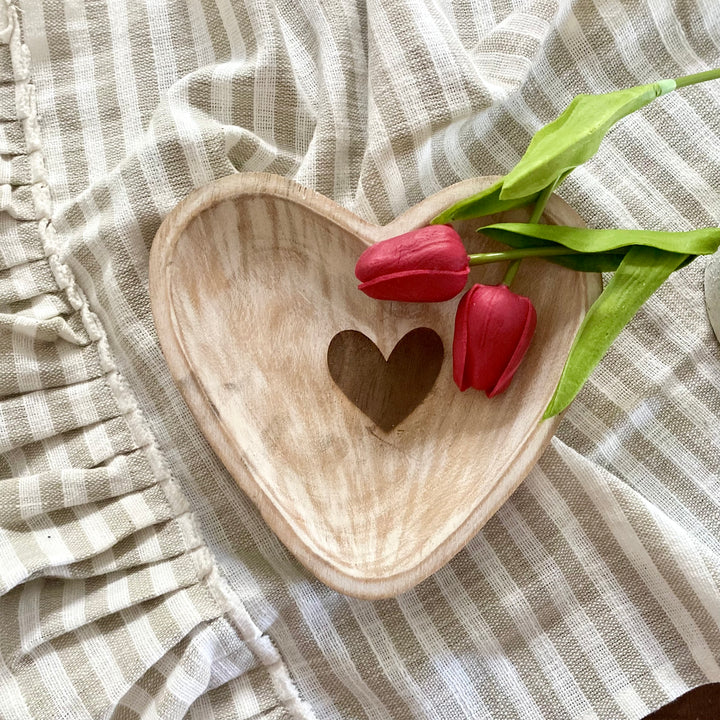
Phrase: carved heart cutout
[251,278]
[387,391]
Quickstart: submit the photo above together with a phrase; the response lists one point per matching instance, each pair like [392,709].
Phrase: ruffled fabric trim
[112,605]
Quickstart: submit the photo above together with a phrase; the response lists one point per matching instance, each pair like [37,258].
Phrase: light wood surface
[251,277]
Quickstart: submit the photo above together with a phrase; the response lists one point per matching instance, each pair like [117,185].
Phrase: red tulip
[425,265]
[493,328]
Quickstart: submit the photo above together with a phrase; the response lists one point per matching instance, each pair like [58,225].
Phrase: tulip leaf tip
[444,217]
[510,190]
[551,411]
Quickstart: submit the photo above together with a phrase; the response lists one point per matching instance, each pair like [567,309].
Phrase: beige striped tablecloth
[136,580]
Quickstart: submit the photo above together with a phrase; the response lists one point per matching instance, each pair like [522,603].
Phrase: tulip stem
[542,202]
[534,218]
[518,254]
[511,272]
[697,78]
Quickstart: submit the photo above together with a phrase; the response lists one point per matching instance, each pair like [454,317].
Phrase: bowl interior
[257,285]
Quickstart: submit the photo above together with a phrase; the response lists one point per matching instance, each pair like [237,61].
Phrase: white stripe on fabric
[140,702]
[146,643]
[202,42]
[559,678]
[391,663]
[446,663]
[128,101]
[673,37]
[98,442]
[490,651]
[329,60]
[49,539]
[265,615]
[161,45]
[181,684]
[117,591]
[12,570]
[407,96]
[328,638]
[14,706]
[576,618]
[642,415]
[264,96]
[103,661]
[202,709]
[609,589]
[244,699]
[85,84]
[691,560]
[190,135]
[97,532]
[232,29]
[605,501]
[380,157]
[638,475]
[50,668]
[138,511]
[26,365]
[36,32]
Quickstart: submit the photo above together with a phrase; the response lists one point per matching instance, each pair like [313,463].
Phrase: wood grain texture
[250,279]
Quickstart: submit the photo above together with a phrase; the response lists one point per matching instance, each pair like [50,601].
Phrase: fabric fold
[102,596]
[105,582]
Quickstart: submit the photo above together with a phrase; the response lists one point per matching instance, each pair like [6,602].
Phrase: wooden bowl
[251,277]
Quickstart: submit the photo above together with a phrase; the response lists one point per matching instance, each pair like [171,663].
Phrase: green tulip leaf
[704,241]
[590,262]
[599,262]
[582,262]
[642,271]
[574,137]
[486,202]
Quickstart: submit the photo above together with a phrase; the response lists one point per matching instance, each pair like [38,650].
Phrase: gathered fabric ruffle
[112,605]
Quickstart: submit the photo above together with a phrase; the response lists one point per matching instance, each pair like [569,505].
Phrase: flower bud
[493,329]
[429,264]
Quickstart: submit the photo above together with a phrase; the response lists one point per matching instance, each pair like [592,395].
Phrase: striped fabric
[136,580]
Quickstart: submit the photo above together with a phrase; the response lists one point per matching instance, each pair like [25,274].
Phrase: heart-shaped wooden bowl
[250,279]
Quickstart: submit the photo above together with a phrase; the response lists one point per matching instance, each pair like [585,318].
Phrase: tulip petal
[437,247]
[520,349]
[460,342]
[483,363]
[416,285]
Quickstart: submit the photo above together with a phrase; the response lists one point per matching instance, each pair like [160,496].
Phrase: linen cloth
[137,580]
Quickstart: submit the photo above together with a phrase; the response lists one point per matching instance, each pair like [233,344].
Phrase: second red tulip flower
[493,329]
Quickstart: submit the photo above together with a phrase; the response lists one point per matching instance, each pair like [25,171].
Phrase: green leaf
[704,241]
[599,262]
[575,137]
[486,202]
[642,271]
[590,262]
[582,262]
